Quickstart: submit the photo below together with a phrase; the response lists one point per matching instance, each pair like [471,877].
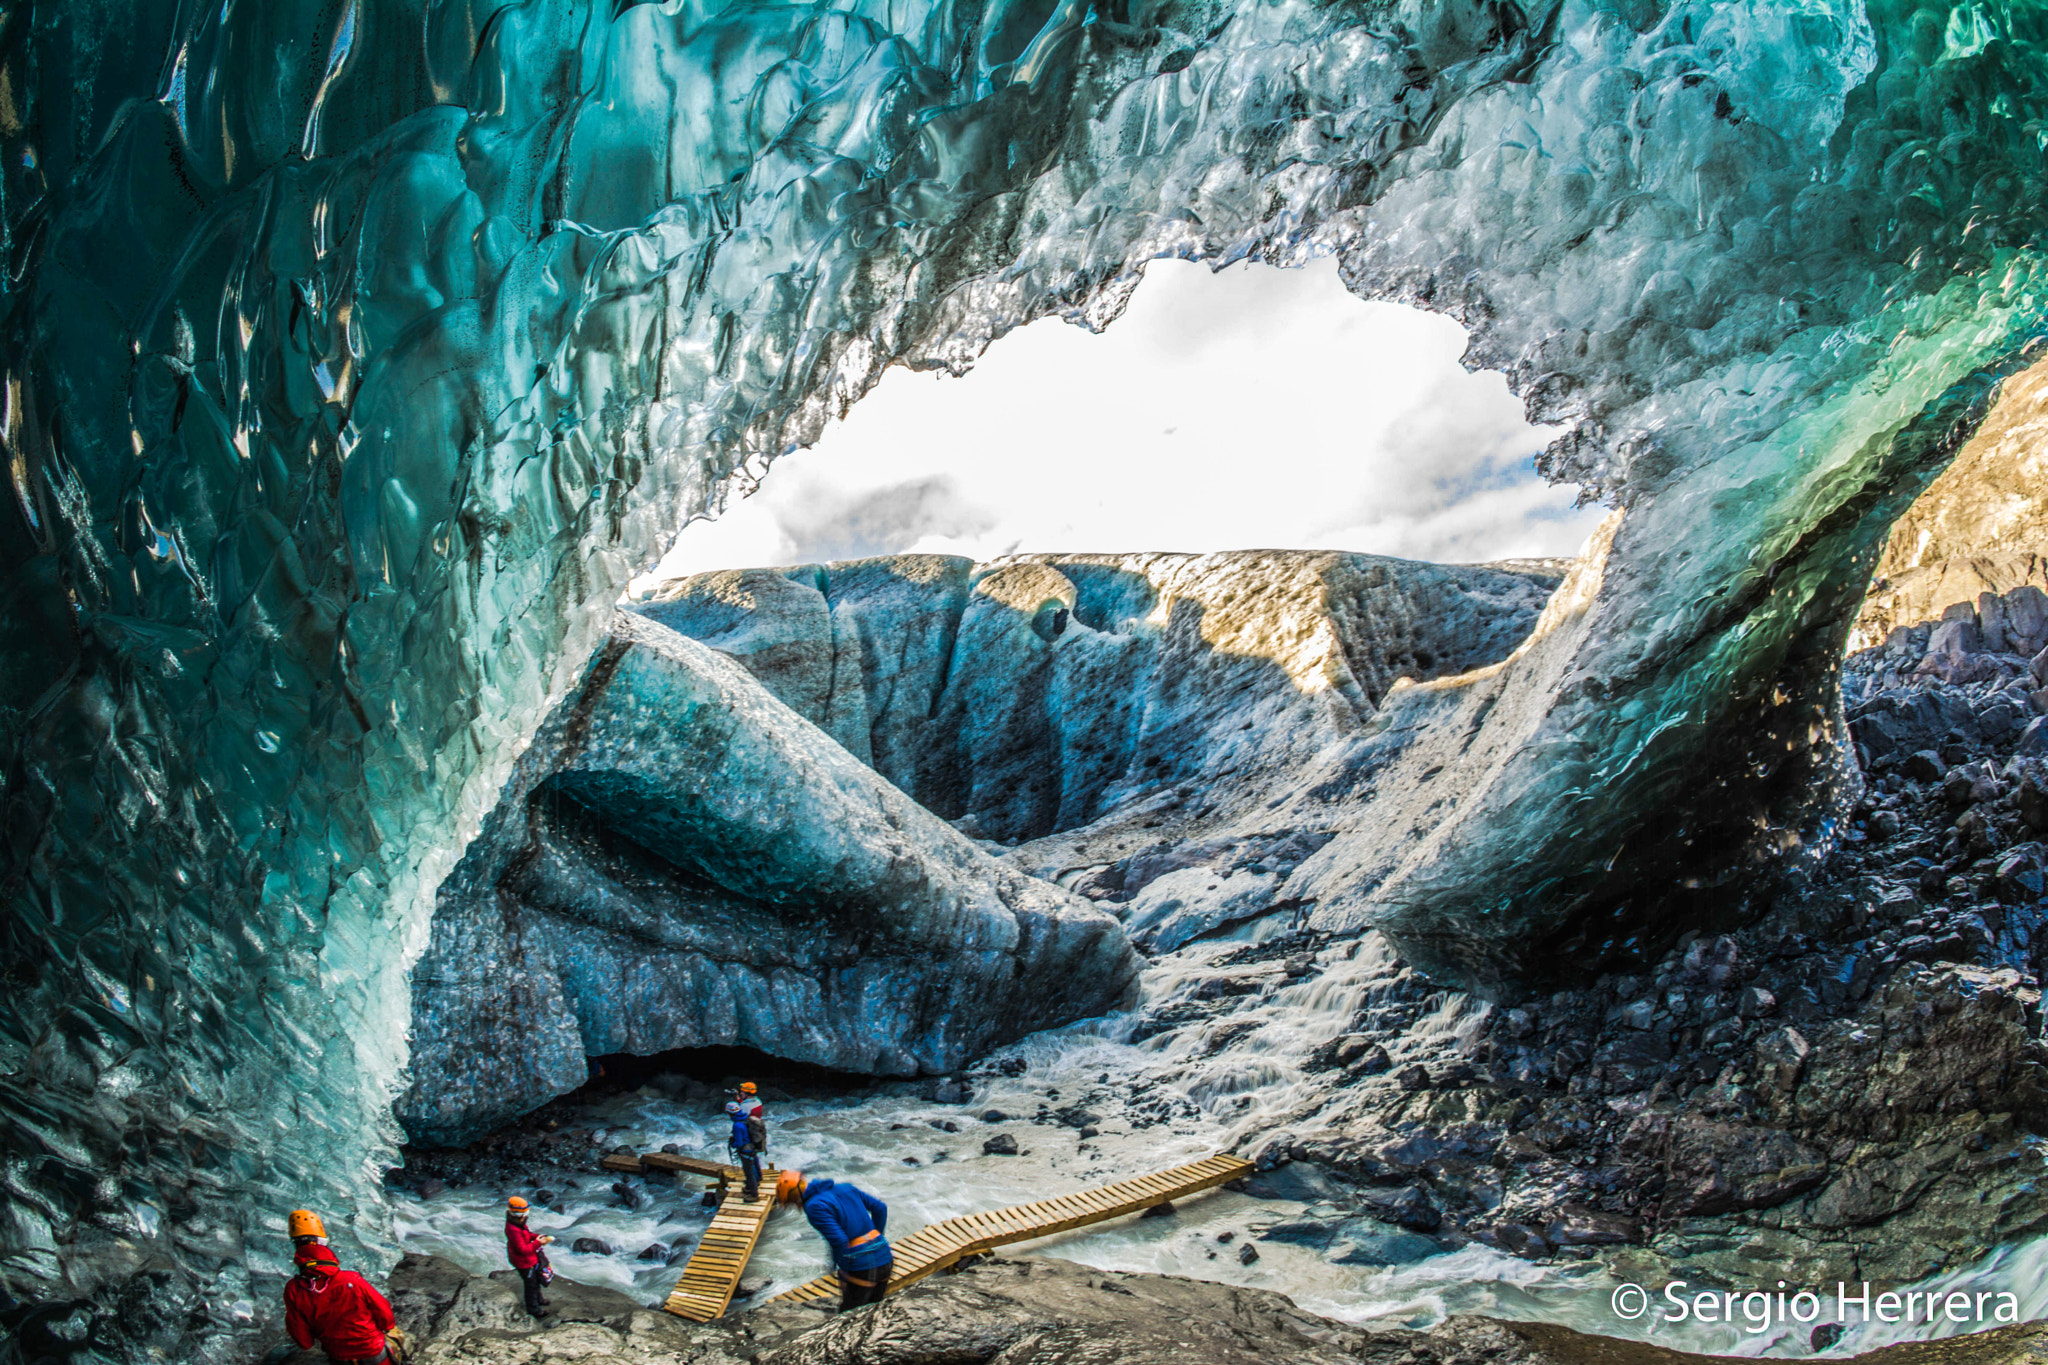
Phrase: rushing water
[1162,1101]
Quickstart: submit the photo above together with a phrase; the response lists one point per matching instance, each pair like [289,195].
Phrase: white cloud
[1256,408]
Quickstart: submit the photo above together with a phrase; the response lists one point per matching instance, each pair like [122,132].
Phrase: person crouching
[851,1221]
[336,1308]
[523,1250]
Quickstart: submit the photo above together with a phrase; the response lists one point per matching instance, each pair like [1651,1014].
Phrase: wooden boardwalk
[944,1243]
[714,1268]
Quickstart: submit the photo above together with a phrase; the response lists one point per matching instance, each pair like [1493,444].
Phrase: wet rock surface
[1051,1312]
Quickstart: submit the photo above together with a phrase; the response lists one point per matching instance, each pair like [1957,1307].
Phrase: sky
[1255,408]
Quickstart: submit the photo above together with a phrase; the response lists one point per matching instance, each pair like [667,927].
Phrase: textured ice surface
[1036,692]
[682,861]
[356,352]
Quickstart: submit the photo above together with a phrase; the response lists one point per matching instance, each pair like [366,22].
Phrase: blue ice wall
[354,352]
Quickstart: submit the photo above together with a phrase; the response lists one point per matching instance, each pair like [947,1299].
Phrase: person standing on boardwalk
[523,1250]
[851,1221]
[749,1136]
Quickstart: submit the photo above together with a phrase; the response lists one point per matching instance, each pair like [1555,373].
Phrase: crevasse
[356,352]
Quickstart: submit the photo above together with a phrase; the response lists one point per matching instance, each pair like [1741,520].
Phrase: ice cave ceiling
[356,352]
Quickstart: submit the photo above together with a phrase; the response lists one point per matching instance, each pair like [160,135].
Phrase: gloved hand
[545,1240]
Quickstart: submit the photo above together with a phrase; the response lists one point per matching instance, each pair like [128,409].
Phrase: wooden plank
[945,1243]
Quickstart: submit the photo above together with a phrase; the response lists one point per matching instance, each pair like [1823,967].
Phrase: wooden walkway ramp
[714,1268]
[944,1243]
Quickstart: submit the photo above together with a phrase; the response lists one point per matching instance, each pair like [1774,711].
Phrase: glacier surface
[357,352]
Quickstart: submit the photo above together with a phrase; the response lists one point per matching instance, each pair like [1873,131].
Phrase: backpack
[757,1132]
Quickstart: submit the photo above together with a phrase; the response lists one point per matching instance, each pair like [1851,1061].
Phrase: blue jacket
[841,1213]
[742,1140]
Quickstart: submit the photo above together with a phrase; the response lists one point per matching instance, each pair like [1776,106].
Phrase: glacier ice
[356,353]
[1037,693]
[682,861]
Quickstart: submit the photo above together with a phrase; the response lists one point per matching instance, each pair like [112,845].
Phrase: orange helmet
[789,1185]
[749,1088]
[306,1223]
[516,1205]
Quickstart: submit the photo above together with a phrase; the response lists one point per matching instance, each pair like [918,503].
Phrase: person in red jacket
[337,1308]
[523,1249]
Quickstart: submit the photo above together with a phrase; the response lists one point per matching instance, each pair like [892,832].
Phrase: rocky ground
[1852,1085]
[1016,1312]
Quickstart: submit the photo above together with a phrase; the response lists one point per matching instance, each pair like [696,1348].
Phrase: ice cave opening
[355,357]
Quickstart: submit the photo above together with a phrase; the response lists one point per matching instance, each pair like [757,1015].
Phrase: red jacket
[343,1312]
[522,1246]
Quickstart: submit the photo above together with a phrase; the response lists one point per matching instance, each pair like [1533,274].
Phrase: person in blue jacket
[746,1142]
[851,1221]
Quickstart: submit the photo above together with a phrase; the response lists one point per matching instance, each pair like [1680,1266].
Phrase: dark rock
[2033,741]
[1377,1061]
[2019,877]
[1924,766]
[949,1090]
[592,1246]
[1410,1208]
[1754,1002]
[945,1125]
[1002,1144]
[1578,1227]
[1362,1241]
[1011,1066]
[1349,1048]
[1298,967]
[655,1251]
[2033,803]
[1415,1078]
[1713,1167]
[1247,1254]
[1309,1231]
[1825,1336]
[679,1253]
[1226,1237]
[1711,963]
[1166,1210]
[1301,1181]
[994,1116]
[1526,1242]
[432,1186]
[748,1288]
[633,1197]
[1782,1055]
